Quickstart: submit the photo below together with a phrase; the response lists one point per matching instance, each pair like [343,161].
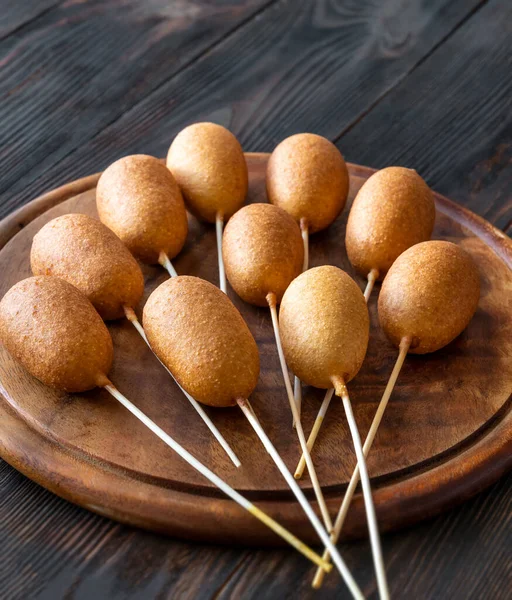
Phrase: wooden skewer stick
[210,475]
[304,230]
[297,396]
[271,299]
[163,259]
[342,513]
[314,432]
[340,389]
[372,278]
[219,224]
[132,317]
[299,494]
[297,387]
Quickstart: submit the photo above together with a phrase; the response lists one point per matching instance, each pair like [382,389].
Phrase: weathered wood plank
[52,550]
[15,14]
[461,554]
[451,118]
[304,65]
[78,67]
[55,550]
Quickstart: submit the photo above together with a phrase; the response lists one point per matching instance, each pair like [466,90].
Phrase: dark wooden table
[422,84]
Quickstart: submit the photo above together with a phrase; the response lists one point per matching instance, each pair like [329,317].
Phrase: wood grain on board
[53,549]
[421,461]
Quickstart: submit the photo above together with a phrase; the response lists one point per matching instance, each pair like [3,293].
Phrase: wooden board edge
[145,505]
[416,496]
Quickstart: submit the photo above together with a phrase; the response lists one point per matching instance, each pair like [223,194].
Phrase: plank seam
[35,17]
[406,74]
[216,595]
[154,90]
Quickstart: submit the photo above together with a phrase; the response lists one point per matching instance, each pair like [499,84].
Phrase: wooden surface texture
[423,84]
[88,449]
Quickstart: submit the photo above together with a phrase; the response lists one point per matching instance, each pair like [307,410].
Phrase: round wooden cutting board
[447,432]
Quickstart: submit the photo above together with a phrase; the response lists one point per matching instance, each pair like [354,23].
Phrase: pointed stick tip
[271,299]
[129,313]
[102,381]
[338,383]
